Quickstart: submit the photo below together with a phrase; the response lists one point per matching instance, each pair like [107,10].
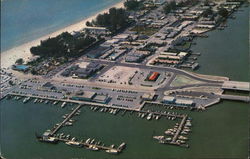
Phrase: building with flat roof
[184,102]
[153,76]
[85,96]
[22,68]
[168,100]
[148,96]
[97,30]
[101,98]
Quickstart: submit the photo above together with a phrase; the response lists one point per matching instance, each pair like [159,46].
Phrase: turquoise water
[26,20]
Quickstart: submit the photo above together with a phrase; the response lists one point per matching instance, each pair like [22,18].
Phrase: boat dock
[65,120]
[176,133]
[95,147]
[183,121]
[161,114]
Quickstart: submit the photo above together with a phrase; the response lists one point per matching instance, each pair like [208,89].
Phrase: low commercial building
[22,68]
[184,102]
[168,100]
[148,96]
[153,76]
[85,96]
[101,98]
[166,61]
[97,30]
[78,72]
[178,102]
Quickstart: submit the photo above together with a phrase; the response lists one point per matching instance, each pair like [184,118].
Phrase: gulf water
[26,20]
[222,131]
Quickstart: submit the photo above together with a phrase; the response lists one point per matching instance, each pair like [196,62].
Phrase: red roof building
[154,76]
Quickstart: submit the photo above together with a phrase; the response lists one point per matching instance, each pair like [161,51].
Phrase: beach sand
[9,57]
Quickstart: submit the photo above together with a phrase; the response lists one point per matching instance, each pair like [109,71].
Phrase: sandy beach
[9,57]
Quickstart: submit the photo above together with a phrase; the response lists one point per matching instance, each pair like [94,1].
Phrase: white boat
[149,116]
[158,137]
[55,102]
[143,115]
[74,143]
[68,123]
[92,141]
[26,99]
[93,147]
[122,146]
[157,117]
[113,151]
[182,138]
[35,100]
[63,104]
[87,141]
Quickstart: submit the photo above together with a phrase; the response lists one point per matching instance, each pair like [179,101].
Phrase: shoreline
[9,57]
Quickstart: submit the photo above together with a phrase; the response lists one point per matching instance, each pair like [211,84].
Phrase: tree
[169,7]
[19,61]
[88,23]
[207,12]
[223,12]
[131,4]
[115,19]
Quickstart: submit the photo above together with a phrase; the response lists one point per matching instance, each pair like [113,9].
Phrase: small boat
[55,102]
[113,151]
[158,137]
[74,143]
[93,147]
[157,117]
[63,104]
[26,99]
[181,141]
[88,141]
[143,115]
[182,138]
[35,101]
[149,116]
[92,141]
[68,123]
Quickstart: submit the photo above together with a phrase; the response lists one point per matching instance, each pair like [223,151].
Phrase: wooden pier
[90,146]
[183,121]
[66,119]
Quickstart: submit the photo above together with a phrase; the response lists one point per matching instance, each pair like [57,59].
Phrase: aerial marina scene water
[127,79]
